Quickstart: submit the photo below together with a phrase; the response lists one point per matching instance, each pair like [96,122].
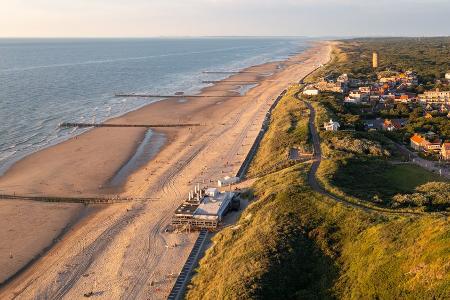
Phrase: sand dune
[122,251]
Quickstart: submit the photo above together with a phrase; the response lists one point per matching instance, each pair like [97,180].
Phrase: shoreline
[228,89]
[196,91]
[139,183]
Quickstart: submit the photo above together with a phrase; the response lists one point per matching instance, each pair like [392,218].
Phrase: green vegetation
[351,154]
[288,129]
[427,56]
[438,125]
[353,143]
[383,183]
[293,243]
[366,167]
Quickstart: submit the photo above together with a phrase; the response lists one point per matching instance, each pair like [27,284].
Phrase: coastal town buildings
[435,97]
[417,142]
[335,87]
[420,143]
[392,125]
[445,151]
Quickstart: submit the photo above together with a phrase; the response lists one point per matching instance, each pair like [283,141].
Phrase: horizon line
[224,36]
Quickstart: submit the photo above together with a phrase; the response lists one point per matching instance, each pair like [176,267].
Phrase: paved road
[312,179]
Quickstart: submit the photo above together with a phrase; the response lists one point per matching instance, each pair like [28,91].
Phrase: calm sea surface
[44,82]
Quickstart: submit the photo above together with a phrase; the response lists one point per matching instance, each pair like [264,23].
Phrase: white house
[311,92]
[331,126]
[350,99]
[447,75]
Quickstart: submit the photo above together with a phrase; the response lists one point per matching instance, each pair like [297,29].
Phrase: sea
[44,82]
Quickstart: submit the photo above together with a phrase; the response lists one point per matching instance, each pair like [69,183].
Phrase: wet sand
[123,250]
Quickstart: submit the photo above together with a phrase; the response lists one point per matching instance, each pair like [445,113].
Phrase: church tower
[375,60]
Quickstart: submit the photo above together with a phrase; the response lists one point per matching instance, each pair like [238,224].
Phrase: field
[373,180]
[408,177]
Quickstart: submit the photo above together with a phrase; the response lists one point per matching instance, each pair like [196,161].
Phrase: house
[428,116]
[310,91]
[434,146]
[418,142]
[391,125]
[349,99]
[443,109]
[343,78]
[436,97]
[404,98]
[355,95]
[364,89]
[445,151]
[447,76]
[331,126]
[376,124]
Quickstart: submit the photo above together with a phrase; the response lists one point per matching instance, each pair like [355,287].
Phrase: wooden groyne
[69,124]
[228,72]
[83,200]
[174,96]
[229,81]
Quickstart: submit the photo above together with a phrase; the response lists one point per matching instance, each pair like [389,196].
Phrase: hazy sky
[141,18]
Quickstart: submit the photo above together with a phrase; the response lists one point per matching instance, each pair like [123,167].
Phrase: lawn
[407,177]
[373,180]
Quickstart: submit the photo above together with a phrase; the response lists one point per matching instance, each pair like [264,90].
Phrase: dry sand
[123,251]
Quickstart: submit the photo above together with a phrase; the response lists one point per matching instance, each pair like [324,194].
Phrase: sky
[148,18]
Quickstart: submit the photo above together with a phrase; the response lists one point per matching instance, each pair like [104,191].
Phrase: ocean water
[44,82]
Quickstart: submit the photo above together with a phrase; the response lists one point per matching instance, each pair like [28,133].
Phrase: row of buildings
[435,97]
[423,144]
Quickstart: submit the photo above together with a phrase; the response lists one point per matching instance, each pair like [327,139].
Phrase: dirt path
[312,175]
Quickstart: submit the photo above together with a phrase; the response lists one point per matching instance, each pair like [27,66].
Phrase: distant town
[396,101]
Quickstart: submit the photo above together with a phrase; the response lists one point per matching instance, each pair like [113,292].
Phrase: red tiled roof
[417,139]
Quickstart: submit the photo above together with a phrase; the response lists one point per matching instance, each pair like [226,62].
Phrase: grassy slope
[408,177]
[294,243]
[380,179]
[288,128]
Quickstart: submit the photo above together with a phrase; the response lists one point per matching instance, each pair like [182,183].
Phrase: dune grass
[293,243]
[288,129]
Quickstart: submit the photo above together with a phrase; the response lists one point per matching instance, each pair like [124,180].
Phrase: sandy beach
[122,250]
